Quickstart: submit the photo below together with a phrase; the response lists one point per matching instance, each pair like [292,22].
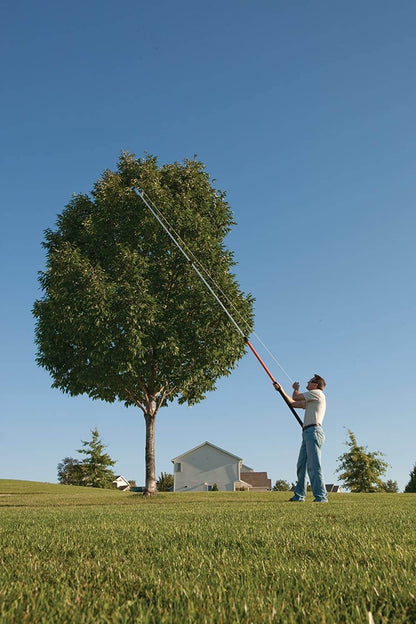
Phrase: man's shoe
[296,500]
[319,501]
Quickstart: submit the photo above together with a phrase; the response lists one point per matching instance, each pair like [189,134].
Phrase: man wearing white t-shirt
[314,403]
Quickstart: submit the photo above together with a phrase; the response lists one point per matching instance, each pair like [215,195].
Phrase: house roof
[241,482]
[332,487]
[119,477]
[206,444]
[256,479]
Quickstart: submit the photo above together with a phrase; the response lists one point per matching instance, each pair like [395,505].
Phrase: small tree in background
[359,469]
[70,471]
[96,465]
[411,486]
[165,482]
[391,487]
[281,486]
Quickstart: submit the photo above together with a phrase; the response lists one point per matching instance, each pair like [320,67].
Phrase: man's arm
[296,395]
[296,400]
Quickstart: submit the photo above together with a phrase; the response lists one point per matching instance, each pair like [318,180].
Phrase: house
[198,469]
[331,487]
[257,481]
[120,483]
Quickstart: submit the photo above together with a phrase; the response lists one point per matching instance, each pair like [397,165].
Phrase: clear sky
[304,112]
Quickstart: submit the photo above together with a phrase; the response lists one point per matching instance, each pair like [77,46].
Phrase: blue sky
[304,113]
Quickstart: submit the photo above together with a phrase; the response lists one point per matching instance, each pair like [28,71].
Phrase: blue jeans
[310,461]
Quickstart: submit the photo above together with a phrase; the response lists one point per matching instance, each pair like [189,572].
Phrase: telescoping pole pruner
[140,193]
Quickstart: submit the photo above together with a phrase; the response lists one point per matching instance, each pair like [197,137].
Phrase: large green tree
[123,315]
[360,469]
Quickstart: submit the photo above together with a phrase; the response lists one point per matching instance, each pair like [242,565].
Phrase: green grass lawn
[71,554]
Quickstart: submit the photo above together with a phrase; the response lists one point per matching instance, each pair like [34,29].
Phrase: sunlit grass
[80,555]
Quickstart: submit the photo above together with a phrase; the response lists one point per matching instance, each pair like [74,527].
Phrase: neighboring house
[198,469]
[121,483]
[331,487]
[257,481]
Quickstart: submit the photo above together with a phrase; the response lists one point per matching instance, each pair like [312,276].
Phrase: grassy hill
[72,554]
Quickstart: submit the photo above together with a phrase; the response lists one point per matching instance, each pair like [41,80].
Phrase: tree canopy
[70,471]
[360,469]
[281,486]
[97,464]
[123,316]
[165,482]
[411,486]
[390,486]
[93,471]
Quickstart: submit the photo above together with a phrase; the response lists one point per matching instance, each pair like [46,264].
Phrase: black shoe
[295,500]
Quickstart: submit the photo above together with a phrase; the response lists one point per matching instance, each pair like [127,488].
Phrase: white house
[198,469]
[121,483]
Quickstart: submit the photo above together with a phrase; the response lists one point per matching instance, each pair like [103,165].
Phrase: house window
[178,467]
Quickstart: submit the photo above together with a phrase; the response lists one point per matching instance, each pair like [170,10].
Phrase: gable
[204,449]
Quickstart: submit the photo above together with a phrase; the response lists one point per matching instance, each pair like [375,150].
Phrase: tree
[165,482]
[281,486]
[96,465]
[360,469]
[70,471]
[390,486]
[123,315]
[411,486]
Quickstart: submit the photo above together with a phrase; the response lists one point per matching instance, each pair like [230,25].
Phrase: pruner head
[139,191]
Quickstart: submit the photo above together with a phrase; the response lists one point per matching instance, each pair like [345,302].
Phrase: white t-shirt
[315,407]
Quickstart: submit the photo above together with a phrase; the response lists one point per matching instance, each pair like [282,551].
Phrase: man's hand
[296,386]
[276,386]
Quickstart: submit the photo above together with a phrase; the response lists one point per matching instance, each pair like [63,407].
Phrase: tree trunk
[150,418]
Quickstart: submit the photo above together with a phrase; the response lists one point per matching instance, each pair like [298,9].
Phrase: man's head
[316,383]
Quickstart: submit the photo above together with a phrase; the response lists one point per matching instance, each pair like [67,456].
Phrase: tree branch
[134,400]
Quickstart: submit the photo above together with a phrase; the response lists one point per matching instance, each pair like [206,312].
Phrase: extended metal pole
[238,328]
[140,194]
[292,409]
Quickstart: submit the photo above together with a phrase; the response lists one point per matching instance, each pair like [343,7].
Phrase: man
[314,403]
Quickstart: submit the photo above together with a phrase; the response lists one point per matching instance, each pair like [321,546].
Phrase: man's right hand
[296,386]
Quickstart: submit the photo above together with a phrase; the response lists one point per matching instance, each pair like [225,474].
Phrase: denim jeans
[310,461]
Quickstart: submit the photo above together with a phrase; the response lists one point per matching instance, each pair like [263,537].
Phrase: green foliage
[390,487]
[214,487]
[93,471]
[70,471]
[123,316]
[359,469]
[165,482]
[411,486]
[89,555]
[281,486]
